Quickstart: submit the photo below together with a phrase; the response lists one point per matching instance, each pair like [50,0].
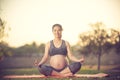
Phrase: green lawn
[28,71]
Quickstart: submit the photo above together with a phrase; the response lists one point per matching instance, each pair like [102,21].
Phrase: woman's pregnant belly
[58,61]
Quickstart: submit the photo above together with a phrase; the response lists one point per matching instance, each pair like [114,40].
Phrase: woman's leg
[49,71]
[68,71]
[72,68]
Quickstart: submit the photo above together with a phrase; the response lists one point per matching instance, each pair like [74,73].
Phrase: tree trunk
[99,58]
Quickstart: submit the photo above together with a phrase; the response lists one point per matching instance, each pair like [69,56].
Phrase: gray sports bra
[61,50]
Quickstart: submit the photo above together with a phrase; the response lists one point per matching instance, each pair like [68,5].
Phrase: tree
[115,39]
[99,40]
[4,48]
[29,50]
[42,48]
[2,29]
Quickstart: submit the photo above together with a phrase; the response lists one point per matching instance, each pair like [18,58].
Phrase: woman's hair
[58,26]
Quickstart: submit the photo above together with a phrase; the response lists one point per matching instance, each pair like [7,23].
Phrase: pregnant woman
[58,50]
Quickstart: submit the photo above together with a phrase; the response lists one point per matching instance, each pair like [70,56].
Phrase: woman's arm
[45,57]
[71,56]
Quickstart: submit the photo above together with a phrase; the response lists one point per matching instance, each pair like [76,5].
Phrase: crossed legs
[68,71]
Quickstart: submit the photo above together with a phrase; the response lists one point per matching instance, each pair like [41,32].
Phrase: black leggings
[47,70]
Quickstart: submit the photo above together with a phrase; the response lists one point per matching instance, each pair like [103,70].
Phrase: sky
[32,20]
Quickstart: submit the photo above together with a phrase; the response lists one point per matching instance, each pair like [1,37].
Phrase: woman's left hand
[82,59]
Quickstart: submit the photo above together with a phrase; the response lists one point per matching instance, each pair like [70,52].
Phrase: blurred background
[91,27]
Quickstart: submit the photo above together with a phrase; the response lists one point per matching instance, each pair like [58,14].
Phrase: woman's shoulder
[48,43]
[66,42]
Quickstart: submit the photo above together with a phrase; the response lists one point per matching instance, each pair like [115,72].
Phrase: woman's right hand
[36,62]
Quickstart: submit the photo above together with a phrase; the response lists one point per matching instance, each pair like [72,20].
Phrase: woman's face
[57,32]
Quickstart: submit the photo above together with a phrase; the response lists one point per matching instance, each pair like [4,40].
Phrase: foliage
[4,48]
[2,29]
[99,40]
[29,49]
[99,36]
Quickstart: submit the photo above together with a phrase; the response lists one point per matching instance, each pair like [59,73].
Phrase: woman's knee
[75,67]
[45,70]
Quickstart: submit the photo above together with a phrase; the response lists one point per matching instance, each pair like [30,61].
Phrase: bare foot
[57,74]
[64,75]
[68,75]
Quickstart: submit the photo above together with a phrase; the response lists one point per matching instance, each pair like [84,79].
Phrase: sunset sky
[32,20]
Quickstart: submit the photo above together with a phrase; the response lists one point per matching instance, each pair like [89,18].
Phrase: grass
[31,71]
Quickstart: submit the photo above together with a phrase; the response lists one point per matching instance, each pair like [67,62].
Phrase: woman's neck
[57,42]
[57,39]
